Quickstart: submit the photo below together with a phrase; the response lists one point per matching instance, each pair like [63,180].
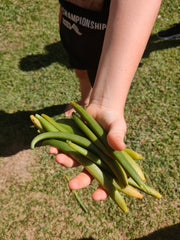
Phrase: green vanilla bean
[128,190]
[151,191]
[37,123]
[133,154]
[54,123]
[46,125]
[135,165]
[64,136]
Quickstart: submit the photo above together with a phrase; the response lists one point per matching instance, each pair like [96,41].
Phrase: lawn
[35,201]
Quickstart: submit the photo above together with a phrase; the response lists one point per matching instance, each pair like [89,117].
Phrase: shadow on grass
[17,131]
[155,44]
[56,53]
[168,233]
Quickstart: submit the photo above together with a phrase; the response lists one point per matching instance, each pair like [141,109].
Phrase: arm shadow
[54,52]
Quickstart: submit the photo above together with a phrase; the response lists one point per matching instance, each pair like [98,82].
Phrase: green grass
[35,202]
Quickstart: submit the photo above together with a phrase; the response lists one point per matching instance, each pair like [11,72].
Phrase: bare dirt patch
[16,167]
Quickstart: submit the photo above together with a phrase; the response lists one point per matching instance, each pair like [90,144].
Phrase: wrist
[105,104]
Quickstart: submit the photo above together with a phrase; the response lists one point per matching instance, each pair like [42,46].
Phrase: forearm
[128,30]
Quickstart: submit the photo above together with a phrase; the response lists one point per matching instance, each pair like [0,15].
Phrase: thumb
[116,134]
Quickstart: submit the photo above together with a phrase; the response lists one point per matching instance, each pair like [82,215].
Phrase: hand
[115,125]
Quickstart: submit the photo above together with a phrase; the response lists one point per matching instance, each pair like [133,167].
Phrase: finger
[116,136]
[53,150]
[66,161]
[82,180]
[99,194]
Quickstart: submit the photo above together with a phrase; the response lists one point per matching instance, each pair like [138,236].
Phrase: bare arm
[128,30]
